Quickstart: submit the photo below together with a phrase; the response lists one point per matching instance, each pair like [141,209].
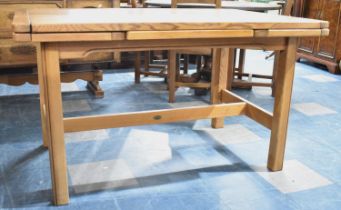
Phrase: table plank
[142,19]
[143,35]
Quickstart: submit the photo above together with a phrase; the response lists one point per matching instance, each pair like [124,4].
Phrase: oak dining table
[76,33]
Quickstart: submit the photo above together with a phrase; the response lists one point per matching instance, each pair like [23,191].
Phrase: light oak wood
[253,111]
[171,75]
[193,85]
[230,68]
[274,72]
[21,54]
[258,75]
[67,22]
[116,3]
[8,8]
[218,80]
[84,49]
[284,82]
[141,19]
[50,78]
[76,124]
[118,36]
[291,33]
[21,22]
[249,83]
[188,34]
[57,37]
[44,106]
[69,37]
[23,37]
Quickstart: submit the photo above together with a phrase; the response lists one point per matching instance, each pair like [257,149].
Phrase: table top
[242,5]
[143,19]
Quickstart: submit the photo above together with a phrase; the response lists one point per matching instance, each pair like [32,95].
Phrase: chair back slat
[217,3]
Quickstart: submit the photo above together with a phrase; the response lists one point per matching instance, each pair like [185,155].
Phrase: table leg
[146,60]
[231,69]
[171,75]
[220,62]
[45,121]
[274,73]
[283,91]
[49,78]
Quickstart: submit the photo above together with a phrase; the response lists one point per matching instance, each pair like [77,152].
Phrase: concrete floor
[180,165]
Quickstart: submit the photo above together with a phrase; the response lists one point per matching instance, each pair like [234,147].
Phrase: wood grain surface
[142,19]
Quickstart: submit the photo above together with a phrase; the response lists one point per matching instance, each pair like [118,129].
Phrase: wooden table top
[143,19]
[242,5]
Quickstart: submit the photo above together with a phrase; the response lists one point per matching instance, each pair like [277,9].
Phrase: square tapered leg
[284,82]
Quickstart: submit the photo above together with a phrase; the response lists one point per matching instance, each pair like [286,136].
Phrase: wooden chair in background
[148,64]
[173,64]
[239,71]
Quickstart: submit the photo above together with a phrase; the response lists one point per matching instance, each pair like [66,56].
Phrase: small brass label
[157,117]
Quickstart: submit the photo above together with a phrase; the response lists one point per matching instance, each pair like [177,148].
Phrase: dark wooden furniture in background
[323,50]
[18,60]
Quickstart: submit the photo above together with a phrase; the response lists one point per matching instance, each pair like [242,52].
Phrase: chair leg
[199,63]
[138,68]
[172,67]
[146,61]
[241,63]
[178,65]
[186,63]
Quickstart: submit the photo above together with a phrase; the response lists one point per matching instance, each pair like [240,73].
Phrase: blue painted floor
[176,166]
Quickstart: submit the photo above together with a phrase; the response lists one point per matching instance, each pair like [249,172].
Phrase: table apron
[75,50]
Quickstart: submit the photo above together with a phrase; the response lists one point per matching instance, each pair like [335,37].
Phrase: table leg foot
[217,123]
